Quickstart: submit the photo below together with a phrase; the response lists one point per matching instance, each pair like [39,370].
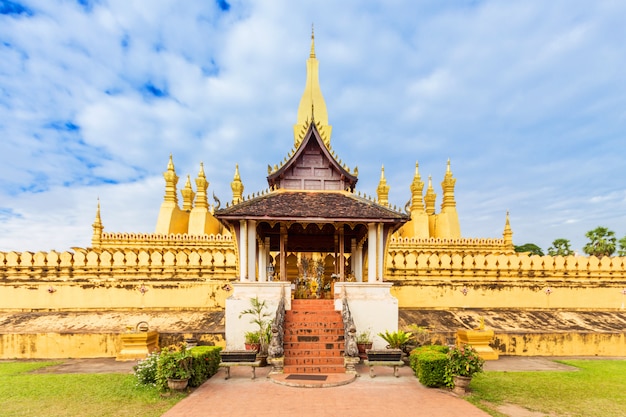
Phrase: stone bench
[386,357]
[230,358]
[395,364]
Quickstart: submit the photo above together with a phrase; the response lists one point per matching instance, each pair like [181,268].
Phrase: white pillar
[380,257]
[371,252]
[359,263]
[252,250]
[262,261]
[243,249]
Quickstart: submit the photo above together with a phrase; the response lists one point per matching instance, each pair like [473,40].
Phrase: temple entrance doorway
[316,255]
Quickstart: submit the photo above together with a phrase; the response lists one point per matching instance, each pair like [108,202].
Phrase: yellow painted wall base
[58,345]
[81,345]
[561,344]
[137,345]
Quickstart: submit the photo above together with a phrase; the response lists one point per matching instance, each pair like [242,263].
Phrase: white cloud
[525,98]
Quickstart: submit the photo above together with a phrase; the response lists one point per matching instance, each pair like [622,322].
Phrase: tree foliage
[529,247]
[622,247]
[602,242]
[560,247]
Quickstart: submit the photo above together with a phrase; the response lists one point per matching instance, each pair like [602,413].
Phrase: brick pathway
[382,396]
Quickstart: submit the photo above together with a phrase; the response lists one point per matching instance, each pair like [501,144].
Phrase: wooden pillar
[335,266]
[262,260]
[283,252]
[342,265]
[267,258]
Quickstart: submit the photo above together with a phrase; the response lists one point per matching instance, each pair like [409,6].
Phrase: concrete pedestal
[479,340]
[137,345]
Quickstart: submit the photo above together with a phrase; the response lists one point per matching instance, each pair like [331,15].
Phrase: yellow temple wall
[116,279]
[429,280]
[194,277]
[198,276]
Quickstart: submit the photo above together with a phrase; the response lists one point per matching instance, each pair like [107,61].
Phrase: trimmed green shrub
[198,364]
[429,364]
[206,360]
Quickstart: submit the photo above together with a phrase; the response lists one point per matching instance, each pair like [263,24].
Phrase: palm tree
[622,247]
[560,247]
[602,242]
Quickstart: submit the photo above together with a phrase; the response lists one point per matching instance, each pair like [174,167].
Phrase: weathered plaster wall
[198,277]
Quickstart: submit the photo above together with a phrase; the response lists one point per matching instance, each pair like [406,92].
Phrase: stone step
[314,369]
[304,312]
[313,353]
[326,361]
[314,338]
[303,329]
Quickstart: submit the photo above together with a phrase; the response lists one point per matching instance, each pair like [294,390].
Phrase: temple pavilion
[311,235]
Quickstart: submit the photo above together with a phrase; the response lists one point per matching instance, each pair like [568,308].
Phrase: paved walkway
[383,396]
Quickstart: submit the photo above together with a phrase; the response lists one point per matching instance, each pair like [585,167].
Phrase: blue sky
[527,99]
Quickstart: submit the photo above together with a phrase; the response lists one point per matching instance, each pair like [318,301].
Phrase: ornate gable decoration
[312,167]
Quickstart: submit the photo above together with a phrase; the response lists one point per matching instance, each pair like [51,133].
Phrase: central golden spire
[312,106]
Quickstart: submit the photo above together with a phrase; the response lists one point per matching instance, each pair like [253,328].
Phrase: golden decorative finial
[508,233]
[312,94]
[312,53]
[171,179]
[383,189]
[96,239]
[201,184]
[99,220]
[417,188]
[447,185]
[237,186]
[430,197]
[188,195]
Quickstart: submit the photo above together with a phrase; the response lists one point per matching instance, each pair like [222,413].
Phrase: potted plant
[395,341]
[174,367]
[252,341]
[262,319]
[463,363]
[363,343]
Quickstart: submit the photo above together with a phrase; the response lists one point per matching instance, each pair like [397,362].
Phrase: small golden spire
[417,188]
[188,195]
[383,189]
[96,239]
[171,179]
[508,233]
[201,185]
[447,186]
[430,197]
[237,186]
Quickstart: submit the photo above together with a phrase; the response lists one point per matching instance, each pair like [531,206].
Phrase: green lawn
[597,389]
[104,395]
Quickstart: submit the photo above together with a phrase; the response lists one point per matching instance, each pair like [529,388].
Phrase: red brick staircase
[314,338]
